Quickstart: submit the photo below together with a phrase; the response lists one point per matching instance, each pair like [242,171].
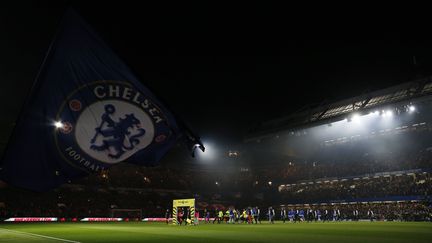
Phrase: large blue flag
[86,112]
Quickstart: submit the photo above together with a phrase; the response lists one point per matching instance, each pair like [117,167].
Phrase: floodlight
[58,124]
[355,117]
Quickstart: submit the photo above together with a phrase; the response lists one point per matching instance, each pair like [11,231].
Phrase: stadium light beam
[355,117]
[58,124]
[209,154]
[389,113]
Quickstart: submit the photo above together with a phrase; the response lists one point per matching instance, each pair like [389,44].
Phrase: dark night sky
[225,67]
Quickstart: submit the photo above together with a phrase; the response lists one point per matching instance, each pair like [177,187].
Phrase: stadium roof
[414,91]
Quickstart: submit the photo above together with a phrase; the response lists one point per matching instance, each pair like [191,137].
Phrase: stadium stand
[384,167]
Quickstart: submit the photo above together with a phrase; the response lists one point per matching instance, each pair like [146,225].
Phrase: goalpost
[183,203]
[126,213]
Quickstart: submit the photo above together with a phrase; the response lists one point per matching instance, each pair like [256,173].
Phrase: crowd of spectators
[383,186]
[401,211]
[337,173]
[348,162]
[79,202]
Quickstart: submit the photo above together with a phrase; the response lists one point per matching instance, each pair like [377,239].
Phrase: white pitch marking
[42,236]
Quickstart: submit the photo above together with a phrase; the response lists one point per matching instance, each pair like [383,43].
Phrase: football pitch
[159,232]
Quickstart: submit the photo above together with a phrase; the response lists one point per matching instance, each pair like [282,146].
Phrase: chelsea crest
[107,122]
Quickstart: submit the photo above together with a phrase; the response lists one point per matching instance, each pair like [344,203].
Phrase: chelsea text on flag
[87,112]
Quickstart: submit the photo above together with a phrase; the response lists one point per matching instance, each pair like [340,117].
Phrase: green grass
[158,232]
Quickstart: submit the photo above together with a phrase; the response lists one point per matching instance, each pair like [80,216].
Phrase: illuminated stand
[179,203]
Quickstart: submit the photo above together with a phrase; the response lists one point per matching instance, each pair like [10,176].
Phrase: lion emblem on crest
[117,137]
